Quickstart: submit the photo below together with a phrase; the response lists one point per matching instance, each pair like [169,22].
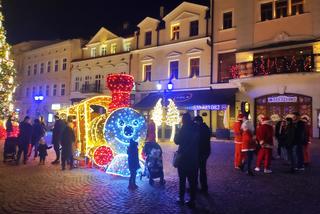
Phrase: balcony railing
[91,88]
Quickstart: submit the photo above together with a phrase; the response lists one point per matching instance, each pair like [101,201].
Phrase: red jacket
[266,135]
[247,141]
[237,132]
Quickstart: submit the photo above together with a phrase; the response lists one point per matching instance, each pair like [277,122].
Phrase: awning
[214,99]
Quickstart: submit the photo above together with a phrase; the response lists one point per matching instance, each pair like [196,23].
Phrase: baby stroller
[9,151]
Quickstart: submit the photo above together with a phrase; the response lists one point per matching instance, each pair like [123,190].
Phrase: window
[35,69]
[194,67]
[103,50]
[41,68]
[227,20]
[29,70]
[266,11]
[113,48]
[174,69]
[194,28]
[54,91]
[147,72]
[49,67]
[93,52]
[56,65]
[40,90]
[47,90]
[227,63]
[175,32]
[148,38]
[64,64]
[127,46]
[27,92]
[86,83]
[33,91]
[98,83]
[296,7]
[63,89]
[281,8]
[77,84]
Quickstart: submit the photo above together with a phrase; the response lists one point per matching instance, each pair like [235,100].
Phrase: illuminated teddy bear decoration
[123,123]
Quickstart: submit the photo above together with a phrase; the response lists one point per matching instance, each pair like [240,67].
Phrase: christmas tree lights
[157,116]
[172,117]
[7,73]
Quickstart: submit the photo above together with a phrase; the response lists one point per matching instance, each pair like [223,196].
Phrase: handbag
[176,159]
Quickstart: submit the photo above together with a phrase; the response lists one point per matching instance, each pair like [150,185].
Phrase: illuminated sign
[282,99]
[182,97]
[56,106]
[208,107]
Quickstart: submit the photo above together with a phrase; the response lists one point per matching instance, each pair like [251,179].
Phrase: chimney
[161,12]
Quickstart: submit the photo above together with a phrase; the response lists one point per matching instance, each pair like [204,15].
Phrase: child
[133,162]
[248,145]
[42,150]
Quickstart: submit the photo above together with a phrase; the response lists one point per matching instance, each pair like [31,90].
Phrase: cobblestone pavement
[33,188]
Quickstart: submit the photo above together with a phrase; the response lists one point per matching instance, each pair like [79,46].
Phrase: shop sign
[182,97]
[208,107]
[56,106]
[282,99]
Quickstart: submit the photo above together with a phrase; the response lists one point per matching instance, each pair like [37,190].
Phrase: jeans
[248,160]
[299,153]
[22,148]
[56,148]
[191,175]
[291,150]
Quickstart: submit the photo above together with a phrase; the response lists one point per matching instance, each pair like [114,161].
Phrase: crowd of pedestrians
[291,136]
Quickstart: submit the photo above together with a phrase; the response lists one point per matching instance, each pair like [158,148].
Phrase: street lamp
[159,86]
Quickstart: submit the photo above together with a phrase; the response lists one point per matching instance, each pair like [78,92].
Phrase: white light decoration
[157,116]
[172,117]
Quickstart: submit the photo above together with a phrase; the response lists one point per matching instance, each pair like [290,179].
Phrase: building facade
[44,76]
[270,50]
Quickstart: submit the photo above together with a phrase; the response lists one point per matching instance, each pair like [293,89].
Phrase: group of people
[31,137]
[293,135]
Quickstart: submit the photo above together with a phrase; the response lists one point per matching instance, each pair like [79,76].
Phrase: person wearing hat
[237,141]
[306,146]
[266,143]
[248,145]
[58,128]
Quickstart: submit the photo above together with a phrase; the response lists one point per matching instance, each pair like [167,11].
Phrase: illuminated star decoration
[102,156]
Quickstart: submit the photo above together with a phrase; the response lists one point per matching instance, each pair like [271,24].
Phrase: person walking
[67,140]
[299,139]
[266,143]
[24,139]
[187,139]
[58,128]
[290,143]
[37,133]
[204,152]
[237,141]
[133,162]
[248,145]
[42,148]
[307,142]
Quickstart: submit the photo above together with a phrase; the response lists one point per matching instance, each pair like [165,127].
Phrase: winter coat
[187,139]
[37,133]
[247,141]
[42,148]
[9,126]
[300,135]
[266,138]
[237,132]
[280,133]
[57,131]
[67,140]
[289,135]
[25,133]
[204,141]
[133,156]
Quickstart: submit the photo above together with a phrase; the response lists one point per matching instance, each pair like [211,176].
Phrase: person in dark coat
[24,139]
[133,162]
[67,140]
[187,139]
[280,136]
[9,126]
[299,139]
[42,148]
[290,143]
[58,128]
[204,151]
[37,133]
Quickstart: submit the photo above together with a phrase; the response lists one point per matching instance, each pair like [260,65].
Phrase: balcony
[91,88]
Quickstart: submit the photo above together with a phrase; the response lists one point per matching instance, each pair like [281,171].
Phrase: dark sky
[62,19]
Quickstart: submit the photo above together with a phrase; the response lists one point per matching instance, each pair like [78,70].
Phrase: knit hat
[240,117]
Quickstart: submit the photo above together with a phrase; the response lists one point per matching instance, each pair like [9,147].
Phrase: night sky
[63,19]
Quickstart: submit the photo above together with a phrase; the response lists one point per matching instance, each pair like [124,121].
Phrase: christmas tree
[172,117]
[7,73]
[157,116]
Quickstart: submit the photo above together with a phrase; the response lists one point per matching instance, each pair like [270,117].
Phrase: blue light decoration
[121,126]
[38,98]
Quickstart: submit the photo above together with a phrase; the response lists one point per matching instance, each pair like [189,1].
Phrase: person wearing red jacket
[306,145]
[237,141]
[266,142]
[248,145]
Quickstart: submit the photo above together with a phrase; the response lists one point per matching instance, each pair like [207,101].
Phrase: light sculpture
[157,116]
[172,117]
